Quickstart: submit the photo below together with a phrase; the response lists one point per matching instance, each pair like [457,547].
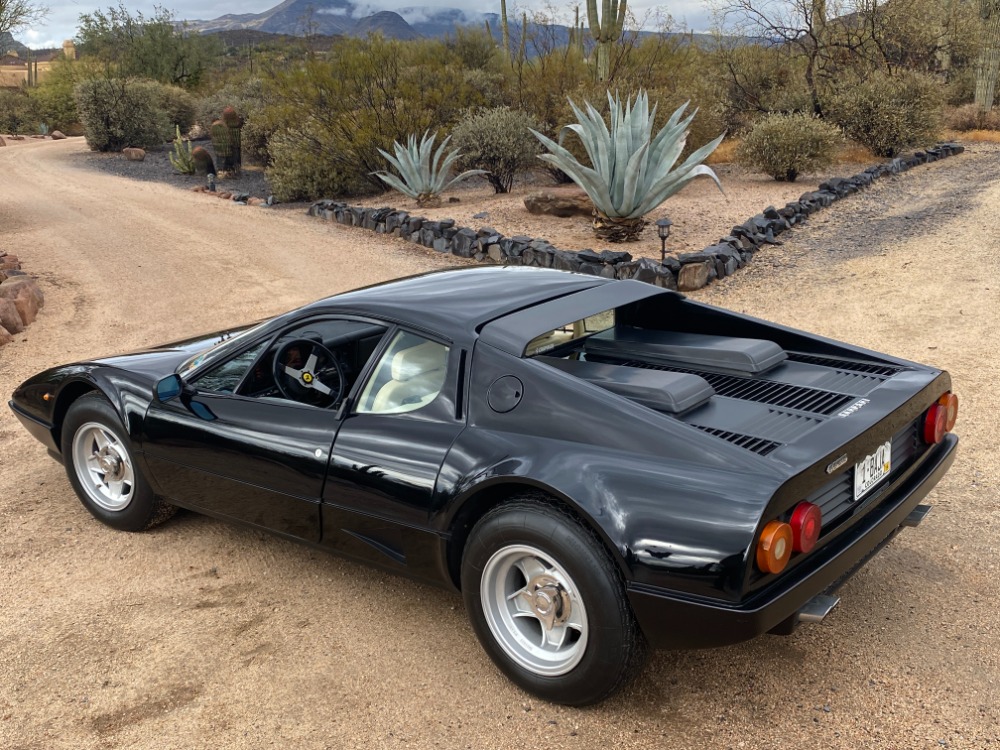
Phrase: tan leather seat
[417,378]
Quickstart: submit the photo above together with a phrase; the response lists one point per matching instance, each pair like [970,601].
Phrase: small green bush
[498,141]
[120,112]
[177,104]
[967,117]
[18,113]
[890,113]
[785,146]
[307,163]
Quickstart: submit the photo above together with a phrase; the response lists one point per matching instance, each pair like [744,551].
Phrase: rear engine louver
[757,445]
[868,368]
[800,398]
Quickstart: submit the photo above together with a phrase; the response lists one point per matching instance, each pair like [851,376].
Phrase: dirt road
[202,635]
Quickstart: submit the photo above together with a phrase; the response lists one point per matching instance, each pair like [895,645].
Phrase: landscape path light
[663,230]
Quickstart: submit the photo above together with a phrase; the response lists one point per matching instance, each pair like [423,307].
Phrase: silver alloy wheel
[534,610]
[103,467]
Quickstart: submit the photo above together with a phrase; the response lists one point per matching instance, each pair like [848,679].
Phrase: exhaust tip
[917,515]
[817,608]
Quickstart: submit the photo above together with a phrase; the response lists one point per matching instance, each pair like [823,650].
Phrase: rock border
[20,298]
[687,272]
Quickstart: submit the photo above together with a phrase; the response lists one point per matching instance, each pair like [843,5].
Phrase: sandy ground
[700,212]
[202,635]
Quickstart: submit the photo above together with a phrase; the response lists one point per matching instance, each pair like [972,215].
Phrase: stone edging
[20,298]
[687,272]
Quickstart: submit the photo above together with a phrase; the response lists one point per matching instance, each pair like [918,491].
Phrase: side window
[225,377]
[409,375]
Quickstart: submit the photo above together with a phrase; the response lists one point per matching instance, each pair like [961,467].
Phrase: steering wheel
[308,372]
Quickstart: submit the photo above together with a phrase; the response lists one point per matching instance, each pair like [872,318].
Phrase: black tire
[140,508]
[613,648]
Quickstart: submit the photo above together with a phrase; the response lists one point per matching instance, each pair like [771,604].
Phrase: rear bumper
[671,621]
[39,429]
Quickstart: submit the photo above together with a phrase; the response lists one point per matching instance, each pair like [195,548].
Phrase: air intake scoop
[672,392]
[746,357]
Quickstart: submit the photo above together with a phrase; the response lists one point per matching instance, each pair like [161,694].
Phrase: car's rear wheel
[102,470]
[548,603]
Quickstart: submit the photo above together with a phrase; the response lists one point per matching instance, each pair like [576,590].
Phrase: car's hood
[164,359]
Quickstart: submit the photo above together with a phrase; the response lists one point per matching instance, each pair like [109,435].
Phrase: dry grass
[725,153]
[973,136]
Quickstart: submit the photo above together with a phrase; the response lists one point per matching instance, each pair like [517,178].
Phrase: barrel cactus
[227,139]
[631,171]
[423,176]
[203,163]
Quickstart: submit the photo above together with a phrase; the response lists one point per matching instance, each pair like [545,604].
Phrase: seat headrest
[418,360]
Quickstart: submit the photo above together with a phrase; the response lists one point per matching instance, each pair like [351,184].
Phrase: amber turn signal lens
[934,424]
[949,402]
[806,521]
[775,547]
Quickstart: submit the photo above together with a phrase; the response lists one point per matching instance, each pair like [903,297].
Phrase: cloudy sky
[62,20]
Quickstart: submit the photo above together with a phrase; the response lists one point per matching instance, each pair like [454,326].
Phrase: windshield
[225,343]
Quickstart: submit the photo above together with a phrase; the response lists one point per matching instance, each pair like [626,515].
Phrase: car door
[240,447]
[389,451]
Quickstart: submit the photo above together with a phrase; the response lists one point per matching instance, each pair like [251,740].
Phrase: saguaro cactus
[504,28]
[606,30]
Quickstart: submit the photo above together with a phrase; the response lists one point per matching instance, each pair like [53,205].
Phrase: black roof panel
[456,303]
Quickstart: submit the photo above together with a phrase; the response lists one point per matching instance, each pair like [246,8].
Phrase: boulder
[10,318]
[692,276]
[57,135]
[5,337]
[563,204]
[20,293]
[134,154]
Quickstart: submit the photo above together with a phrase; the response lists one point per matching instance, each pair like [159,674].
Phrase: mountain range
[346,18]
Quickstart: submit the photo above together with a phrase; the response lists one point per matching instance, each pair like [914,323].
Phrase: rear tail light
[941,418]
[950,403]
[806,521]
[774,547]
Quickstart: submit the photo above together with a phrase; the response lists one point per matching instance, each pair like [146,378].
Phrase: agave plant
[632,171]
[422,176]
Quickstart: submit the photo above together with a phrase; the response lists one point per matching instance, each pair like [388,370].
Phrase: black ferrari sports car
[598,466]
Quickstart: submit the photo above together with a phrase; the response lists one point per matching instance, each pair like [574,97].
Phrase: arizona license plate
[872,469]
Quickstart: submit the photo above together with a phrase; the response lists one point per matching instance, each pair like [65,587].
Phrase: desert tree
[154,47]
[17,15]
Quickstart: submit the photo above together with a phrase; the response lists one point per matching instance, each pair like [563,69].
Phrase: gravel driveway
[203,635]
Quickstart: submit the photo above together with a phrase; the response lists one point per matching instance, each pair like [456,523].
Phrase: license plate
[872,469]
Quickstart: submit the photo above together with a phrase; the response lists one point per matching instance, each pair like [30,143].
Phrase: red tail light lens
[806,522]
[774,547]
[934,424]
[949,402]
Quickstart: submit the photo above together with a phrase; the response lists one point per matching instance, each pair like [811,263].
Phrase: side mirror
[171,387]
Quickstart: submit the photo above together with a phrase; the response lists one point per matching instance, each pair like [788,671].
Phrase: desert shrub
[968,117]
[56,107]
[305,164]
[890,113]
[335,113]
[497,140]
[177,104]
[120,112]
[785,146]
[18,113]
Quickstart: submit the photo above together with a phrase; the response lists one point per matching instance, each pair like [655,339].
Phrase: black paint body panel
[676,499]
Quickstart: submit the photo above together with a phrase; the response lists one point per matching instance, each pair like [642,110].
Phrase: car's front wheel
[103,471]
[548,603]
